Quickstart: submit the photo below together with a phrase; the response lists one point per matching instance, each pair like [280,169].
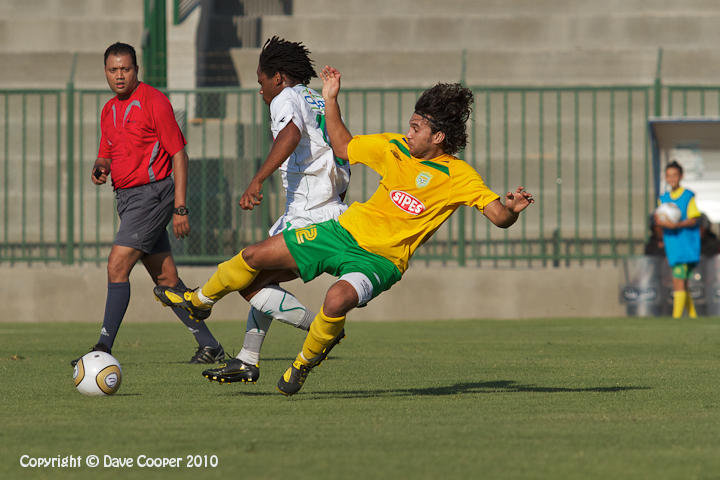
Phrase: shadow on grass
[497,386]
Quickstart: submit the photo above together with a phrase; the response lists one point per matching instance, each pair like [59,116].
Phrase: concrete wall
[55,293]
[408,42]
[40,37]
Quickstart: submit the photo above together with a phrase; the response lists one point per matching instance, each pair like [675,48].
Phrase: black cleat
[98,347]
[292,380]
[208,354]
[233,370]
[319,359]
[173,297]
[294,377]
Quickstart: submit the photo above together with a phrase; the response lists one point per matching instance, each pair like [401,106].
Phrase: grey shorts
[144,213]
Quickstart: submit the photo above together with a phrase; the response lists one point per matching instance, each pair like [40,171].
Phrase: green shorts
[683,270]
[327,247]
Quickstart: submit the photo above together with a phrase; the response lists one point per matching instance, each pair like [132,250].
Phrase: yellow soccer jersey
[414,197]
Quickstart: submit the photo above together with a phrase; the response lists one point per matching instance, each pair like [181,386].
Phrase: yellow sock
[679,300]
[692,313]
[232,275]
[322,331]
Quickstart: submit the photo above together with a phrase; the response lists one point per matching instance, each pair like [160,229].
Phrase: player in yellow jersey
[369,246]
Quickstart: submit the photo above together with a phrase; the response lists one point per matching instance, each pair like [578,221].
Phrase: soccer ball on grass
[97,373]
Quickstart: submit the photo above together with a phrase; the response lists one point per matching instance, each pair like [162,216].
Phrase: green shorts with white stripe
[327,247]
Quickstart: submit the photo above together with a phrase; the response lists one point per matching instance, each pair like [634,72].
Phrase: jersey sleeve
[469,188]
[104,150]
[168,131]
[284,109]
[692,209]
[369,150]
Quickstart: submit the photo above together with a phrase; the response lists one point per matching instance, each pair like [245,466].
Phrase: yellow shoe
[292,380]
[173,297]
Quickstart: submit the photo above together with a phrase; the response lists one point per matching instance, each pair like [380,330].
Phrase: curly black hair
[289,58]
[447,107]
[119,48]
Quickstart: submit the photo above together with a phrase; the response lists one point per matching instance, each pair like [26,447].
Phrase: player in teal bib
[681,239]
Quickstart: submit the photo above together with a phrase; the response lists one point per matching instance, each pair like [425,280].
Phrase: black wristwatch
[181,210]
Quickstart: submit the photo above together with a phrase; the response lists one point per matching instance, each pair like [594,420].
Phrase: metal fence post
[658,85]
[70,158]
[154,43]
[461,257]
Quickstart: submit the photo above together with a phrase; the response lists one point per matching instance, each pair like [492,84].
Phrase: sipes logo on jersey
[407,202]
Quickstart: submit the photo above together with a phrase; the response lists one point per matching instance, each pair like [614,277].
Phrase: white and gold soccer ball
[97,373]
[669,212]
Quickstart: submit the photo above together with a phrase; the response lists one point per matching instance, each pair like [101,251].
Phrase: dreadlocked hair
[447,108]
[289,58]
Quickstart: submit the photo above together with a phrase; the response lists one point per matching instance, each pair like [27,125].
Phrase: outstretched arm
[285,143]
[505,215]
[337,131]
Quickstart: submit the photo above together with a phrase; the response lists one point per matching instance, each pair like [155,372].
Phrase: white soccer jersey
[312,177]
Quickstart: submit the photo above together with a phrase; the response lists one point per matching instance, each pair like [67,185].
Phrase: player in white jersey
[315,183]
[313,178]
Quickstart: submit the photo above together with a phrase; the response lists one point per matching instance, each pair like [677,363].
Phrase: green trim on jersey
[320,119]
[427,163]
[402,147]
[437,166]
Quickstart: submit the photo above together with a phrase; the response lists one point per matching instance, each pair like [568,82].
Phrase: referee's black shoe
[208,354]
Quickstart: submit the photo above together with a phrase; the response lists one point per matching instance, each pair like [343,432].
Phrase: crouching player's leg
[232,275]
[326,331]
[327,247]
[268,301]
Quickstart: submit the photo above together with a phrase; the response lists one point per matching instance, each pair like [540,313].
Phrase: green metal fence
[583,151]
[33,171]
[154,42]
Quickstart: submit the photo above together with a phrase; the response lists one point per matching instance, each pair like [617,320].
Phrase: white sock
[282,305]
[255,331]
[204,299]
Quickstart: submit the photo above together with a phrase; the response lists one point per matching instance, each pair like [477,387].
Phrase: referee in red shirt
[140,146]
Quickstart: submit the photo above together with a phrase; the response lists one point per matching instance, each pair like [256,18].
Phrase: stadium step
[455,31]
[495,7]
[501,66]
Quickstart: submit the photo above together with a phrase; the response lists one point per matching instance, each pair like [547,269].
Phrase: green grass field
[563,398]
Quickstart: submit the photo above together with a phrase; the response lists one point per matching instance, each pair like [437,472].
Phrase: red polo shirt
[139,136]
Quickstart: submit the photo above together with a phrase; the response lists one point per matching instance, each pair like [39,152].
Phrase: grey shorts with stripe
[144,213]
